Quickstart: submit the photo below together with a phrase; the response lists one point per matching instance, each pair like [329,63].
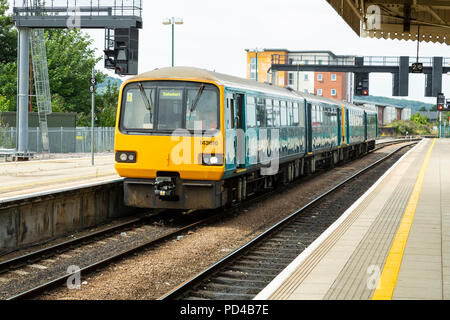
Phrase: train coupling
[165,188]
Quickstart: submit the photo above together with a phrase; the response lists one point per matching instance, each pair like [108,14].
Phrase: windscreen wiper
[197,98]
[147,102]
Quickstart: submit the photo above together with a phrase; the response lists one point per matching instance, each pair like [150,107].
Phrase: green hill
[101,87]
[414,105]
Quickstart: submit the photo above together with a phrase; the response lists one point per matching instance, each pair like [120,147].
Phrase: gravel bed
[156,271]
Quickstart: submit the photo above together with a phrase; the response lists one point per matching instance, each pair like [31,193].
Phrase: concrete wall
[24,222]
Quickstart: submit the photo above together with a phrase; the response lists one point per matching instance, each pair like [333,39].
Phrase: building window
[333,92]
[291,79]
[319,92]
[291,61]
[333,77]
[306,77]
[320,77]
[253,68]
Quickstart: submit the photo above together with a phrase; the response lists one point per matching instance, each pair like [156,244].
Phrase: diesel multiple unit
[188,138]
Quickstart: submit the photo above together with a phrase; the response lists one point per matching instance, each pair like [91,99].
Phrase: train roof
[192,73]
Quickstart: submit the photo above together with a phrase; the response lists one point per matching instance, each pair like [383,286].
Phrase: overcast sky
[216,33]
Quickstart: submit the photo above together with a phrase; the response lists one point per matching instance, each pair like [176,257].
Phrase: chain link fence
[62,140]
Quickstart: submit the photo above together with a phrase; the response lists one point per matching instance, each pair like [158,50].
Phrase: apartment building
[336,85]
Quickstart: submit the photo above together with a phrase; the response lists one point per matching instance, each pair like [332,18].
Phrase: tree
[107,106]
[419,119]
[70,62]
[8,35]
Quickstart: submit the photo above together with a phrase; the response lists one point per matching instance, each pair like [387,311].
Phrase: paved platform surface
[22,178]
[393,243]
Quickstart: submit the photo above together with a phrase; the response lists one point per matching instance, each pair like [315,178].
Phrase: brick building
[337,85]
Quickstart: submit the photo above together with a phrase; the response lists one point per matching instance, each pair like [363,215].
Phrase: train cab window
[261,113]
[251,112]
[269,112]
[276,113]
[139,107]
[201,110]
[170,109]
[283,113]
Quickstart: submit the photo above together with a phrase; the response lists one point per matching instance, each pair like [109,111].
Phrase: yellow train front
[188,138]
[169,140]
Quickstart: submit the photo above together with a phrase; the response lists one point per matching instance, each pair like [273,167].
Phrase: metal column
[22,92]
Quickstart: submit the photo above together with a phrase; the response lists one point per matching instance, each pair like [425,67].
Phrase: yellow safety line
[389,276]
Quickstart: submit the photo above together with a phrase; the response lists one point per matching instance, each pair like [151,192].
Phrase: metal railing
[62,140]
[301,59]
[131,8]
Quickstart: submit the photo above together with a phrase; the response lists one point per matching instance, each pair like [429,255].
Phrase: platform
[393,243]
[27,178]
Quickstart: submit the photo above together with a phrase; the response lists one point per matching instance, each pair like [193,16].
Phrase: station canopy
[428,20]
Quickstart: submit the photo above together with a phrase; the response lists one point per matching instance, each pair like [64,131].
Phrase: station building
[335,85]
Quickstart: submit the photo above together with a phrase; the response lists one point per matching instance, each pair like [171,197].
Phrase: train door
[239,124]
[339,126]
[365,126]
[309,128]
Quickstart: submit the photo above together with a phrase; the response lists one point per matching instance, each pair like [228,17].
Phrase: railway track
[246,271]
[59,276]
[81,242]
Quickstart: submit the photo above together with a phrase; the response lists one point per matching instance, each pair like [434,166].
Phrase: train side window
[289,113]
[295,115]
[301,110]
[251,112]
[283,114]
[276,113]
[261,113]
[230,112]
[269,112]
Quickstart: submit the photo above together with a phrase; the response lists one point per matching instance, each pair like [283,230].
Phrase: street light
[172,21]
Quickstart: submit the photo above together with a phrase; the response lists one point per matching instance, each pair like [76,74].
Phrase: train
[188,138]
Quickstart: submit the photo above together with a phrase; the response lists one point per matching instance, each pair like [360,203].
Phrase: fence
[63,140]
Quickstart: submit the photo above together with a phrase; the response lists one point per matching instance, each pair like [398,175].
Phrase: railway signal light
[361,84]
[441,103]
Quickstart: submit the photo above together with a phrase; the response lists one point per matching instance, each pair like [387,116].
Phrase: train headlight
[212,159]
[126,156]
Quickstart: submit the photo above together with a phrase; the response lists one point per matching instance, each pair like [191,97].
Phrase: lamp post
[173,21]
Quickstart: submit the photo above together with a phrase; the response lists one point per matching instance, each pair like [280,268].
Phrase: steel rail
[34,291]
[47,252]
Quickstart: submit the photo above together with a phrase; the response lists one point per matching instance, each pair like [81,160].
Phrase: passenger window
[295,110]
[269,112]
[290,114]
[251,112]
[276,113]
[261,113]
[283,114]
[301,114]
